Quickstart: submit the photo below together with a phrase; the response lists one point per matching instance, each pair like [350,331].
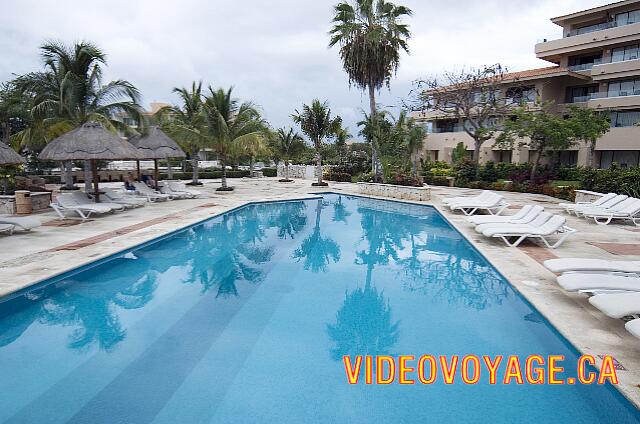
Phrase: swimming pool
[245,318]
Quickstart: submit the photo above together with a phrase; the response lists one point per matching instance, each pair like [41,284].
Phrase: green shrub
[337,176]
[488,172]
[404,180]
[436,180]
[367,177]
[465,171]
[269,172]
[440,172]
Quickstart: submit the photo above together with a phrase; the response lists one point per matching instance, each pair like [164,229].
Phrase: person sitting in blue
[148,180]
[128,182]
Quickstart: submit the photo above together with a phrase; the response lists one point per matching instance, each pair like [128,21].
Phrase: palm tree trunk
[376,165]
[536,163]
[286,169]
[591,154]
[319,165]
[194,167]
[251,174]
[414,164]
[67,177]
[224,174]
[88,177]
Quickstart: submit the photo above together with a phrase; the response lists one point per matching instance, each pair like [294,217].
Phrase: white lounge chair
[617,305]
[579,210]
[539,220]
[7,228]
[628,209]
[124,199]
[525,215]
[181,187]
[569,207]
[633,327]
[553,226]
[480,197]
[149,193]
[592,265]
[82,197]
[25,223]
[493,203]
[166,189]
[598,283]
[67,203]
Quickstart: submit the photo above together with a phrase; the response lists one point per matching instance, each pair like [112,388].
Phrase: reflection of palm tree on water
[363,323]
[316,250]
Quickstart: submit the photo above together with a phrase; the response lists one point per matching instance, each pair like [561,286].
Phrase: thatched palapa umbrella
[91,142]
[156,145]
[8,156]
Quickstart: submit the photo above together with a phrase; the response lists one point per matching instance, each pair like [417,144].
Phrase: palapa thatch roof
[8,156]
[90,141]
[157,145]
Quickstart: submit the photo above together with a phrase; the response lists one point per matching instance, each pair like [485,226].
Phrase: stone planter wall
[39,201]
[395,191]
[587,196]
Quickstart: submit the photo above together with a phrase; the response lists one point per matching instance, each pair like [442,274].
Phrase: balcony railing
[619,93]
[447,130]
[592,28]
[582,67]
[582,99]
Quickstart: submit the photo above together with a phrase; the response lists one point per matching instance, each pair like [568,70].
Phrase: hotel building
[596,64]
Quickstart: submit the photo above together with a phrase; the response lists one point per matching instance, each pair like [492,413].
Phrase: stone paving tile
[618,248]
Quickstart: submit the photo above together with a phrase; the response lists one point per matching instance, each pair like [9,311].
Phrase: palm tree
[287,144]
[69,92]
[316,250]
[316,123]
[185,123]
[342,135]
[229,126]
[370,35]
[254,147]
[411,136]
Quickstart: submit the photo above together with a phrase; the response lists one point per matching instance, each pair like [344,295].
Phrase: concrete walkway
[58,246]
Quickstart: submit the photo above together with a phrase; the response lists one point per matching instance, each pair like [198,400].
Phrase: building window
[568,157]
[520,95]
[582,94]
[627,118]
[624,158]
[624,88]
[627,18]
[505,156]
[629,52]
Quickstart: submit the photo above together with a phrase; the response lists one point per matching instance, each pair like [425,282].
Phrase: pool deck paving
[62,245]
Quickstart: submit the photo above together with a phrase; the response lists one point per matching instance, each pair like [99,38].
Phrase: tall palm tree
[230,125]
[371,36]
[316,123]
[287,144]
[185,123]
[252,148]
[69,92]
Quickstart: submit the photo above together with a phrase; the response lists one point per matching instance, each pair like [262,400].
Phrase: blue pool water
[245,318]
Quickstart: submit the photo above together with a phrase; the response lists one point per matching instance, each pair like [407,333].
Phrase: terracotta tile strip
[618,248]
[125,230]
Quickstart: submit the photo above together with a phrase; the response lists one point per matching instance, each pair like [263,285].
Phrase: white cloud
[274,53]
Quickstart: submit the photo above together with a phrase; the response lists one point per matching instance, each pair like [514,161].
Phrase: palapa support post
[138,168]
[96,180]
[156,174]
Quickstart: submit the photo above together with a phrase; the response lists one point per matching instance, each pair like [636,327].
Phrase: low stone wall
[395,191]
[304,172]
[39,201]
[587,196]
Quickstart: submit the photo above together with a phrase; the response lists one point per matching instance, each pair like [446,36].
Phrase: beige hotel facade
[596,64]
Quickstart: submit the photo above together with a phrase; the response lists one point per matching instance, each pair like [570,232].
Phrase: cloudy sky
[273,52]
